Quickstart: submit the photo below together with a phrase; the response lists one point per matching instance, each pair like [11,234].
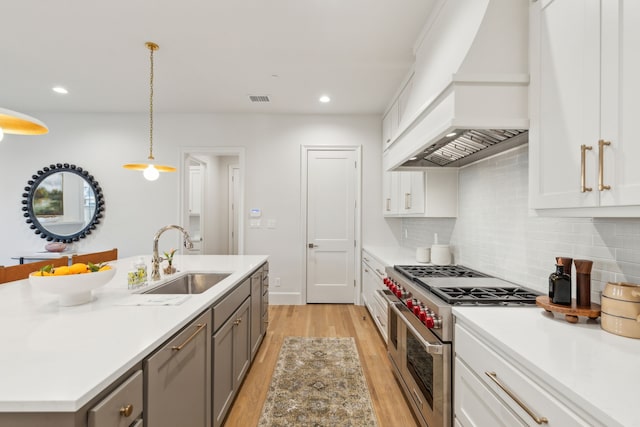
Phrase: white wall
[496,232]
[136,209]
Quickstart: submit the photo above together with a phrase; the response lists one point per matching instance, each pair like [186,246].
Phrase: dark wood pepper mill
[583,282]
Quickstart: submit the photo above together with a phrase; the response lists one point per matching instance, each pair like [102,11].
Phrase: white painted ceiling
[213,54]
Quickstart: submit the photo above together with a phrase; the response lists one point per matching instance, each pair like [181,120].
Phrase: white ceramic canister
[440,255]
[423,254]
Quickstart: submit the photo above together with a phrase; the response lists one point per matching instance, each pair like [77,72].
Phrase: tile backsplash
[496,233]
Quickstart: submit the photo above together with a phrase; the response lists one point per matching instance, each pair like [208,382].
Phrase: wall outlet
[277,282]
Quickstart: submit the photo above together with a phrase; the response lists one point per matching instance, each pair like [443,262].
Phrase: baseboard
[285,298]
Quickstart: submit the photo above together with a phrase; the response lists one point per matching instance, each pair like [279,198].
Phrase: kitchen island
[589,374]
[57,359]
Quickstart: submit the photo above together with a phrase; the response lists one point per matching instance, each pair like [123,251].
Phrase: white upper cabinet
[395,114]
[583,97]
[429,193]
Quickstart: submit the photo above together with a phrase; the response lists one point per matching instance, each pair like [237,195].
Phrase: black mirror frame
[27,205]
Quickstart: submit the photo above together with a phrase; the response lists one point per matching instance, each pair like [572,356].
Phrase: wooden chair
[22,271]
[96,257]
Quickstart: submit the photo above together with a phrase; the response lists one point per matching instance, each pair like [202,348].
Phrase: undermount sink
[191,283]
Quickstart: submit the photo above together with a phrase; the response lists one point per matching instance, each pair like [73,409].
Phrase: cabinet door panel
[223,376]
[565,92]
[241,344]
[256,311]
[620,107]
[178,379]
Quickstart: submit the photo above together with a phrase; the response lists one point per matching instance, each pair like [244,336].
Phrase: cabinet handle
[366,259]
[127,410]
[379,272]
[583,173]
[407,200]
[417,396]
[200,326]
[494,378]
[388,204]
[601,145]
[366,271]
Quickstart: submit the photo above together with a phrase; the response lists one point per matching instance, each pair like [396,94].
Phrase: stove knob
[416,308]
[423,316]
[429,322]
[386,281]
[409,303]
[392,287]
[399,292]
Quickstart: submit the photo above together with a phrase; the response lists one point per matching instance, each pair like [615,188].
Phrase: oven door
[424,363]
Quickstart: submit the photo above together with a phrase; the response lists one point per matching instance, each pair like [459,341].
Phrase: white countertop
[597,370]
[393,255]
[55,359]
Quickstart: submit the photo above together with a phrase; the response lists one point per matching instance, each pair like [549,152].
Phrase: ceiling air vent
[259,98]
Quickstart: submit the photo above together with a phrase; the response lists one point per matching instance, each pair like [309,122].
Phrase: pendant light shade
[20,124]
[150,170]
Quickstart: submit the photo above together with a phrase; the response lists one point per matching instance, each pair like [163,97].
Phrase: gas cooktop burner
[488,295]
[418,271]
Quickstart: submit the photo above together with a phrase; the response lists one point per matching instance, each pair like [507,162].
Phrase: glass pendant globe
[151,173]
[1,134]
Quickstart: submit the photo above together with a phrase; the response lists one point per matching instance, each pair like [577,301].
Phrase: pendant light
[20,124]
[150,170]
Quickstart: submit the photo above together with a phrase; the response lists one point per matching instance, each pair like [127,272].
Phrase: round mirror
[62,203]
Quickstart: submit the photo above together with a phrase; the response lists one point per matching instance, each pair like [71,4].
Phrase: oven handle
[431,348]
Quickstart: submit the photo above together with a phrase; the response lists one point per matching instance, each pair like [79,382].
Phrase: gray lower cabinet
[231,349]
[178,378]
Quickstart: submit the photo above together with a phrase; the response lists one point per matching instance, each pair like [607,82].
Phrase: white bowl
[72,289]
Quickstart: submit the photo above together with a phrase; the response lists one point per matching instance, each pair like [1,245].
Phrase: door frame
[304,158]
[234,212]
[186,152]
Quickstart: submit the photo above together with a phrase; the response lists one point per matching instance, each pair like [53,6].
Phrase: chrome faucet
[156,259]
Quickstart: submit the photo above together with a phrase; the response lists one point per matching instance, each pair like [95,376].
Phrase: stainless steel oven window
[420,366]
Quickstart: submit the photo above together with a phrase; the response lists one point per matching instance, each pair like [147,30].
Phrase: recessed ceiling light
[449,135]
[60,89]
[324,99]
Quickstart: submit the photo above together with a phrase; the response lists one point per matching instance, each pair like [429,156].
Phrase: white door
[331,218]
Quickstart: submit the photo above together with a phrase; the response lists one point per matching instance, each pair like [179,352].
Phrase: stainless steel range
[420,328]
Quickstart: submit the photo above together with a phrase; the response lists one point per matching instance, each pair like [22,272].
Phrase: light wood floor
[323,320]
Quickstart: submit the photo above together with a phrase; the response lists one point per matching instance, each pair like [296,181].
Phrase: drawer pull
[127,410]
[494,378]
[200,326]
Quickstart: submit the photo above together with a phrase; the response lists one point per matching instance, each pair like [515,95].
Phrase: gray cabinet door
[256,311]
[178,378]
[231,358]
[241,344]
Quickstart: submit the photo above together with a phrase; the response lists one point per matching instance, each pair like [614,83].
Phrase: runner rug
[318,382]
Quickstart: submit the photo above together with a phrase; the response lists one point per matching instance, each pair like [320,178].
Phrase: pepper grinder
[583,282]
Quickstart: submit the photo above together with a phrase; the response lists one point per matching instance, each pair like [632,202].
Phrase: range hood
[469,90]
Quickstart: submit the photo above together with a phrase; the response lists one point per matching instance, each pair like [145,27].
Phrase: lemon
[78,268]
[62,271]
[105,268]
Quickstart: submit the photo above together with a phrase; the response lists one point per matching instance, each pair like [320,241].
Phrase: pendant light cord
[151,105]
